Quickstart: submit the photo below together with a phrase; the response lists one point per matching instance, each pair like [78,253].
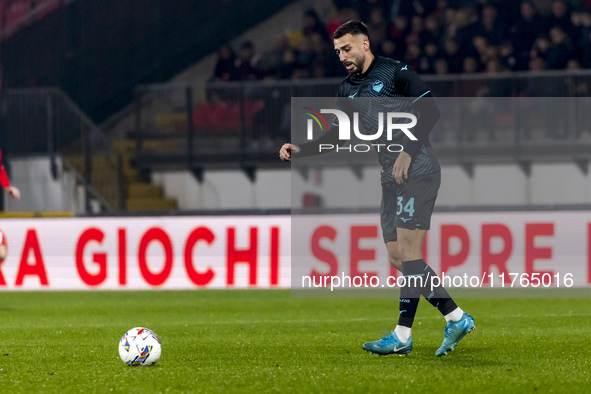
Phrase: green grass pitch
[250,340]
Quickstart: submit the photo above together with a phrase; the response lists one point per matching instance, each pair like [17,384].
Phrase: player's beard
[357,65]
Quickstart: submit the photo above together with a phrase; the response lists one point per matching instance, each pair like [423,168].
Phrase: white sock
[454,315]
[403,333]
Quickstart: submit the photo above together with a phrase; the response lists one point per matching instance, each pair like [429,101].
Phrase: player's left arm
[414,88]
[423,102]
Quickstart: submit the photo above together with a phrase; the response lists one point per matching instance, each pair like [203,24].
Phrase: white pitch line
[304,321]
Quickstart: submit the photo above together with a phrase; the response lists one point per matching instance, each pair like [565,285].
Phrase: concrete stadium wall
[502,185]
[39,191]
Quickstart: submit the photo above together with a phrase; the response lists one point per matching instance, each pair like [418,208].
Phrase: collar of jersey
[359,77]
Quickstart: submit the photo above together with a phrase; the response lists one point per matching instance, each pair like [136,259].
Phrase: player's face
[351,51]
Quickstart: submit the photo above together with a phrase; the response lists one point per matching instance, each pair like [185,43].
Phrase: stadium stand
[460,37]
[493,48]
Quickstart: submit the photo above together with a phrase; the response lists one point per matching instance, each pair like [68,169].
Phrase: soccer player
[410,180]
[5,182]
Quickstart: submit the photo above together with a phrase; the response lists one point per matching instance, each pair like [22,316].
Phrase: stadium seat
[225,115]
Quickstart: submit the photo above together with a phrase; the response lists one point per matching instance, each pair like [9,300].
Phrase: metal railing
[242,125]
[46,120]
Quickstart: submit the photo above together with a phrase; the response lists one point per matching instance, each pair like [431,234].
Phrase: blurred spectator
[377,27]
[450,20]
[537,64]
[470,65]
[401,8]
[581,28]
[337,18]
[390,49]
[313,24]
[468,27]
[427,60]
[326,63]
[247,63]
[481,47]
[305,57]
[524,34]
[559,52]
[575,87]
[586,52]
[417,32]
[288,64]
[506,55]
[540,49]
[365,7]
[225,69]
[492,28]
[441,67]
[433,30]
[271,59]
[560,16]
[399,29]
[413,53]
[452,56]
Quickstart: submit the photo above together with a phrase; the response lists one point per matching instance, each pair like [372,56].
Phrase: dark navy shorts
[409,205]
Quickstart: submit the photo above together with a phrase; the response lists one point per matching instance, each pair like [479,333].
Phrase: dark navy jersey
[388,86]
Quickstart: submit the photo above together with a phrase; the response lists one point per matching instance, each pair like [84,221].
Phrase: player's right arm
[287,150]
[312,148]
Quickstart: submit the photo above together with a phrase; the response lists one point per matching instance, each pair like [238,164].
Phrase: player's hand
[13,192]
[287,150]
[401,165]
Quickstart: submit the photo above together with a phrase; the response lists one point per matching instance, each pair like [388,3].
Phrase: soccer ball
[140,346]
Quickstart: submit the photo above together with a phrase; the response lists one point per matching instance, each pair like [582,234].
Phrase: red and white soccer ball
[140,346]
[3,246]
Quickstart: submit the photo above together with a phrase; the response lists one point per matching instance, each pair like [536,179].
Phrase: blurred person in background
[225,68]
[507,56]
[452,56]
[12,191]
[540,50]
[313,25]
[428,58]
[289,63]
[247,64]
[377,27]
[491,27]
[524,33]
[399,29]
[273,58]
[560,50]
[560,16]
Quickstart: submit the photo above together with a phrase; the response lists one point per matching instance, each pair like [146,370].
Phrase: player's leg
[393,255]
[402,254]
[420,277]
[390,344]
[416,200]
[437,296]
[415,203]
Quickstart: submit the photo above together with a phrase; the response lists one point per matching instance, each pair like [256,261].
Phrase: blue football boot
[389,344]
[454,332]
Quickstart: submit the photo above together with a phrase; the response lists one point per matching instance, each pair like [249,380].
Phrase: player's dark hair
[351,27]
